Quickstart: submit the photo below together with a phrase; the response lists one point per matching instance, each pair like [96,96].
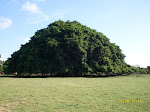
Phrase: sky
[124,22]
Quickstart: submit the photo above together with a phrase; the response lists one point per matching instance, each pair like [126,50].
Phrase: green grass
[75,94]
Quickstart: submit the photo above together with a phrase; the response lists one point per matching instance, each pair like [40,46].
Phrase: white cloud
[59,14]
[39,16]
[15,1]
[31,7]
[38,19]
[39,0]
[26,39]
[5,22]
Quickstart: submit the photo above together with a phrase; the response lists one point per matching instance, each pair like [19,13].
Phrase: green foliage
[1,68]
[1,65]
[148,69]
[68,49]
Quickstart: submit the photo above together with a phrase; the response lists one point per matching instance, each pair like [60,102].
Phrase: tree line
[69,49]
[1,66]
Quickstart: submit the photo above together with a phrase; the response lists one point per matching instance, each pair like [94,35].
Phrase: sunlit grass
[75,94]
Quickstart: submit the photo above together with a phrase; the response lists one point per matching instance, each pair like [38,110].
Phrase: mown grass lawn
[75,94]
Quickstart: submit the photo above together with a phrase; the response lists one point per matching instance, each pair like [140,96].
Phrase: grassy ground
[112,94]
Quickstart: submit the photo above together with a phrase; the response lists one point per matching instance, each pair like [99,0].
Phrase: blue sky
[124,22]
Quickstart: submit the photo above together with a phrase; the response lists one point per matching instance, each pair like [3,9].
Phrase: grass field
[112,94]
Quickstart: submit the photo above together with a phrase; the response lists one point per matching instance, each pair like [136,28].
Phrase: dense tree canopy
[68,49]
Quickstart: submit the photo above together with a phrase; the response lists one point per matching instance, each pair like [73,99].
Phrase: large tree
[68,49]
